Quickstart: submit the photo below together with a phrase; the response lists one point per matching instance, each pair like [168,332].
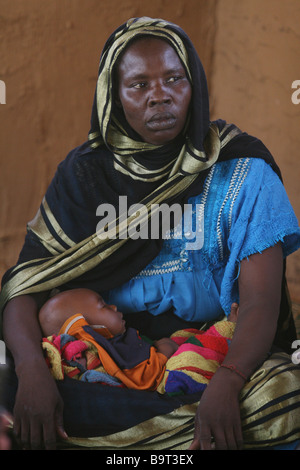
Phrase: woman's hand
[218,415]
[217,421]
[38,411]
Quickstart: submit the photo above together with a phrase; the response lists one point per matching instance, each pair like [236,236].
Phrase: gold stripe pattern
[262,401]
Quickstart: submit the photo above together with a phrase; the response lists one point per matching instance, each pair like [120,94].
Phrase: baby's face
[96,312]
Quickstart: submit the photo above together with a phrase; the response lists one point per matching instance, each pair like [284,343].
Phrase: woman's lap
[95,410]
[107,417]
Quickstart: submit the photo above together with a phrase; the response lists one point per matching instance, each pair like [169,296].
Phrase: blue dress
[243,209]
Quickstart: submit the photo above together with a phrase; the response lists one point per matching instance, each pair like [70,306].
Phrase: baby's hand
[166,346]
[233,313]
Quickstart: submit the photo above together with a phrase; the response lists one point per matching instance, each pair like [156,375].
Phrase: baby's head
[88,303]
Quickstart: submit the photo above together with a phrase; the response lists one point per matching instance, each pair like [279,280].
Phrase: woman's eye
[139,85]
[173,79]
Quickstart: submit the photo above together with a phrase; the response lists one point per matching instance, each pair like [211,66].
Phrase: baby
[105,351]
[104,342]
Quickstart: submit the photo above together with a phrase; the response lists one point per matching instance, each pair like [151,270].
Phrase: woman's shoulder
[255,172]
[255,163]
[83,164]
[84,155]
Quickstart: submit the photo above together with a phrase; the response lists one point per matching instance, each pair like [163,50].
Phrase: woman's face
[154,90]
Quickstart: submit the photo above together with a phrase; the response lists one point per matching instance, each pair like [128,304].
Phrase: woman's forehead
[147,52]
[146,40]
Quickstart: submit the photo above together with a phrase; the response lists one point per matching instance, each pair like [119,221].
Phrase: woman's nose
[159,94]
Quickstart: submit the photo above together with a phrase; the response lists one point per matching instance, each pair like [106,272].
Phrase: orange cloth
[146,375]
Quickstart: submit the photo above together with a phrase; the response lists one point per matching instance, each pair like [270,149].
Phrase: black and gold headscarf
[62,247]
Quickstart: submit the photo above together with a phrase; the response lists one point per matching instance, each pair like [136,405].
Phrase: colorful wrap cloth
[134,363]
[92,354]
[199,355]
[64,355]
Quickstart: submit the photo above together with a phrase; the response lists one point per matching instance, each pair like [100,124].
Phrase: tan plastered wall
[256,59]
[49,55]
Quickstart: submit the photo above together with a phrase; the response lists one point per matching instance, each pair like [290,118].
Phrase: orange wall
[49,54]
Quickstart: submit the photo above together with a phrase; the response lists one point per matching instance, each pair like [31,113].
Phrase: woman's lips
[161,121]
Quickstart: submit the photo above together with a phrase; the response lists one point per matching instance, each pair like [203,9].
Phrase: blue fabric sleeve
[262,216]
[272,219]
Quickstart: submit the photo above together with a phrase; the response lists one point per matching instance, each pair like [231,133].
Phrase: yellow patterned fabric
[270,403]
[199,355]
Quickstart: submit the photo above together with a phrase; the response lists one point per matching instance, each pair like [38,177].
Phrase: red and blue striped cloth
[199,355]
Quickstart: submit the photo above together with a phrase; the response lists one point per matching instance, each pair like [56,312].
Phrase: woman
[152,141]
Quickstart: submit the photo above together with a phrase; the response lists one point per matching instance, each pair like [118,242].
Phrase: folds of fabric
[67,259]
[127,357]
[198,357]
[161,422]
[270,403]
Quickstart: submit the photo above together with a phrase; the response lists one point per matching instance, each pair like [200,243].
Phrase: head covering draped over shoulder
[62,247]
[110,127]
